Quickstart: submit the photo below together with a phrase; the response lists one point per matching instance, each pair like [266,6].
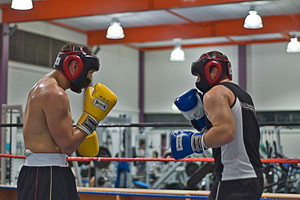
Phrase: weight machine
[11,143]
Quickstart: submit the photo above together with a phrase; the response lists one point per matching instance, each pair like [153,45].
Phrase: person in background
[155,167]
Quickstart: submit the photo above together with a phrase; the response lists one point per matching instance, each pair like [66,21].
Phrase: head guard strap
[203,66]
[85,63]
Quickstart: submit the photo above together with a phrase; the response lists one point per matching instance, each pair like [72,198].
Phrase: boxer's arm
[217,103]
[56,108]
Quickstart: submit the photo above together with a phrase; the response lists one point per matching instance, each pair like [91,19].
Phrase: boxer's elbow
[228,135]
[67,149]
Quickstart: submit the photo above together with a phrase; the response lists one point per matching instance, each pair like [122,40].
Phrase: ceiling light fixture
[177,54]
[253,20]
[293,46]
[21,4]
[115,30]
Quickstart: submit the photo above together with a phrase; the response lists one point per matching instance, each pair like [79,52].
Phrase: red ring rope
[85,159]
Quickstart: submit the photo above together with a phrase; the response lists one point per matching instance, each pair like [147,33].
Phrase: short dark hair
[214,55]
[156,153]
[69,47]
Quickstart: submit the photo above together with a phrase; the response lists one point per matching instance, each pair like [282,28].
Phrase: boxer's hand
[97,104]
[191,106]
[185,143]
[90,146]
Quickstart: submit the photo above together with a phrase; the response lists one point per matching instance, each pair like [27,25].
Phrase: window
[34,49]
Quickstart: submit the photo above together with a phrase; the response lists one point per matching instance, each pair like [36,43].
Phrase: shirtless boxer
[226,122]
[48,130]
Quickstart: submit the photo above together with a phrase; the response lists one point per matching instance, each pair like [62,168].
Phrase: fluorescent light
[115,30]
[293,46]
[177,53]
[253,20]
[21,4]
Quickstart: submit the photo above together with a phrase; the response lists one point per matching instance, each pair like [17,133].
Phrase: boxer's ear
[213,73]
[73,65]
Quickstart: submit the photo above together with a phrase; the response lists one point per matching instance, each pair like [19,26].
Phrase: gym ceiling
[154,24]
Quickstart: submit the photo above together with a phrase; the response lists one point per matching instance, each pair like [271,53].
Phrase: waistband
[45,159]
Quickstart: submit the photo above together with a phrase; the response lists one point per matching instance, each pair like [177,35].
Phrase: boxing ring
[9,192]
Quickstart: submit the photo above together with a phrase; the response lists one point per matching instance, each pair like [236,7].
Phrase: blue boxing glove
[191,106]
[185,143]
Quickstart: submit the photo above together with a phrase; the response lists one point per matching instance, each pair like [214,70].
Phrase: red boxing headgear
[202,68]
[85,63]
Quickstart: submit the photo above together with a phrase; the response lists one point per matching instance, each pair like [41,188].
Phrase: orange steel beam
[165,4]
[229,38]
[272,24]
[180,16]
[56,9]
[286,35]
[216,44]
[134,47]
[66,26]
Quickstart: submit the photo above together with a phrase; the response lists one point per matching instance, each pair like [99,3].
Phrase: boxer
[48,131]
[232,131]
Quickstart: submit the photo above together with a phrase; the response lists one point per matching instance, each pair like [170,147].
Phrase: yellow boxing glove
[90,146]
[98,103]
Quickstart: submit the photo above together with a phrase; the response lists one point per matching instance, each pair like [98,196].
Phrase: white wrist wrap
[202,142]
[89,124]
[197,143]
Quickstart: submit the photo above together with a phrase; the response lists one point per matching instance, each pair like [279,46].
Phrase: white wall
[21,77]
[119,71]
[273,77]
[289,139]
[166,80]
[53,31]
[272,74]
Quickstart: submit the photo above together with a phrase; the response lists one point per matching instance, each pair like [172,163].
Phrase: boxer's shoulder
[218,94]
[48,95]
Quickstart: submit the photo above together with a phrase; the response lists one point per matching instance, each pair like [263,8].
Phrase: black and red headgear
[202,68]
[85,63]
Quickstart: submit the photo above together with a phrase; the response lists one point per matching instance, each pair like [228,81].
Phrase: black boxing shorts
[39,182]
[245,189]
